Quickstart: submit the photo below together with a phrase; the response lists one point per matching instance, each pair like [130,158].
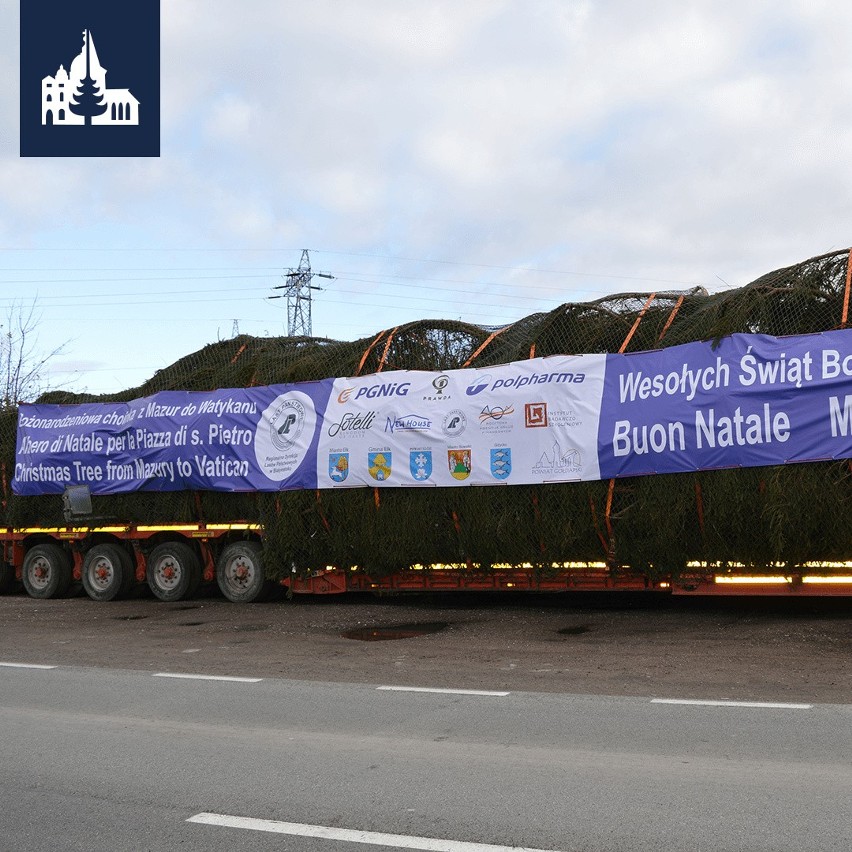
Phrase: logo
[284,434]
[563,463]
[439,383]
[379,465]
[344,395]
[286,424]
[420,464]
[495,412]
[390,389]
[535,414]
[352,423]
[71,105]
[478,385]
[338,466]
[407,423]
[454,423]
[520,381]
[460,463]
[501,462]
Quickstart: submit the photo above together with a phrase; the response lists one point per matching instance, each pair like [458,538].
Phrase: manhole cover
[576,630]
[394,631]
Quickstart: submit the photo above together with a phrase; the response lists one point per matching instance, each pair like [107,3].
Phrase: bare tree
[23,364]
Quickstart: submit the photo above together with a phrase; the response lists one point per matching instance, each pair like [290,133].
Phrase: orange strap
[484,344]
[846,293]
[239,352]
[376,499]
[600,535]
[532,351]
[638,320]
[367,351]
[387,347]
[670,320]
[323,518]
[608,513]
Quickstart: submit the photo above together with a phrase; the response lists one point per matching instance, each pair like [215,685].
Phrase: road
[114,759]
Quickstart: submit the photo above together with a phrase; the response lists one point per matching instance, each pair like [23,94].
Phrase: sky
[479,161]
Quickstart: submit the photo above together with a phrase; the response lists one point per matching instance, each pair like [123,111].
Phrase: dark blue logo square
[90,78]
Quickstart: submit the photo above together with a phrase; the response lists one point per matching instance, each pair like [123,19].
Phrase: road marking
[442,691]
[210,677]
[773,705]
[26,666]
[376,838]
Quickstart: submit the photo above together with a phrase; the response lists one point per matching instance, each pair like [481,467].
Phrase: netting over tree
[755,516]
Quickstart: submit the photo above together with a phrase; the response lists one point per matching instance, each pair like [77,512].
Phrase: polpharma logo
[69,99]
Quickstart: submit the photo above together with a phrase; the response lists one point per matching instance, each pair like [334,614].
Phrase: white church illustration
[62,91]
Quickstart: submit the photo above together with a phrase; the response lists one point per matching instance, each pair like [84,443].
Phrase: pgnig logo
[70,105]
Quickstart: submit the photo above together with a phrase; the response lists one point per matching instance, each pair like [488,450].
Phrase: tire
[105,571]
[46,571]
[240,573]
[174,571]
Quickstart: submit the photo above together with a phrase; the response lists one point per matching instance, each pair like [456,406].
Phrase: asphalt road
[109,759]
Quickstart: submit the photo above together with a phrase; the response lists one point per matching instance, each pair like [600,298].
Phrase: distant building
[57,92]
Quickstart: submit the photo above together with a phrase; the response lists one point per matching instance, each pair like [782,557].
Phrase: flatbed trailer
[174,559]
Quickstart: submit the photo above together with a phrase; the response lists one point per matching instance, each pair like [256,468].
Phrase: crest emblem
[379,465]
[501,463]
[338,466]
[459,462]
[420,464]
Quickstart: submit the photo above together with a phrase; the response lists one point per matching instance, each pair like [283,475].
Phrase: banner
[752,400]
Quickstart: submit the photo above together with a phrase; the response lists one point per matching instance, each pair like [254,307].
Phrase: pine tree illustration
[88,99]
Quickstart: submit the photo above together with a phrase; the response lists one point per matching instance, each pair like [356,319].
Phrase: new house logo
[90,78]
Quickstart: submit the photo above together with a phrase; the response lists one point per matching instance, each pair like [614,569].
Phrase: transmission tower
[298,289]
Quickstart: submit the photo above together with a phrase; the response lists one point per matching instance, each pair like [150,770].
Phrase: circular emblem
[284,434]
[454,423]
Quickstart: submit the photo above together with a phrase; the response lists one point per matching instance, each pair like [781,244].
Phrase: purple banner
[752,400]
[252,439]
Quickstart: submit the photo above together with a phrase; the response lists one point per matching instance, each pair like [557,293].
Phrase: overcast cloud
[690,142]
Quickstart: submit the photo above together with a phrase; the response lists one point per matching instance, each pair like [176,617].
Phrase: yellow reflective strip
[169,528]
[837,579]
[753,580]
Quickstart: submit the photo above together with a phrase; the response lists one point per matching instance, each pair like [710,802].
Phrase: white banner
[527,422]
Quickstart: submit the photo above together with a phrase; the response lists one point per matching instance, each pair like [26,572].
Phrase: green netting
[756,516]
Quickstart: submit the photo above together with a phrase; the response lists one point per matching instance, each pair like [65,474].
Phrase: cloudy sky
[479,160]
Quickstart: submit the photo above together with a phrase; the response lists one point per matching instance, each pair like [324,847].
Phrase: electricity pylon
[298,293]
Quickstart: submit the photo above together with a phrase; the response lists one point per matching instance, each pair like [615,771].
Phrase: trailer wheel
[174,571]
[240,574]
[105,572]
[46,571]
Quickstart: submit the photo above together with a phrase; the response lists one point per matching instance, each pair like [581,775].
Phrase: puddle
[575,631]
[128,617]
[395,631]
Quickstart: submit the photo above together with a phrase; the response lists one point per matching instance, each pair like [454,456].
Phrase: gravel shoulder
[616,644]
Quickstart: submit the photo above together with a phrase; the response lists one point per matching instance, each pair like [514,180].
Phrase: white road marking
[210,677]
[772,705]
[442,691]
[26,666]
[376,838]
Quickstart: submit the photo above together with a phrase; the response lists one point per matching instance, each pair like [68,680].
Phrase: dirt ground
[616,643]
